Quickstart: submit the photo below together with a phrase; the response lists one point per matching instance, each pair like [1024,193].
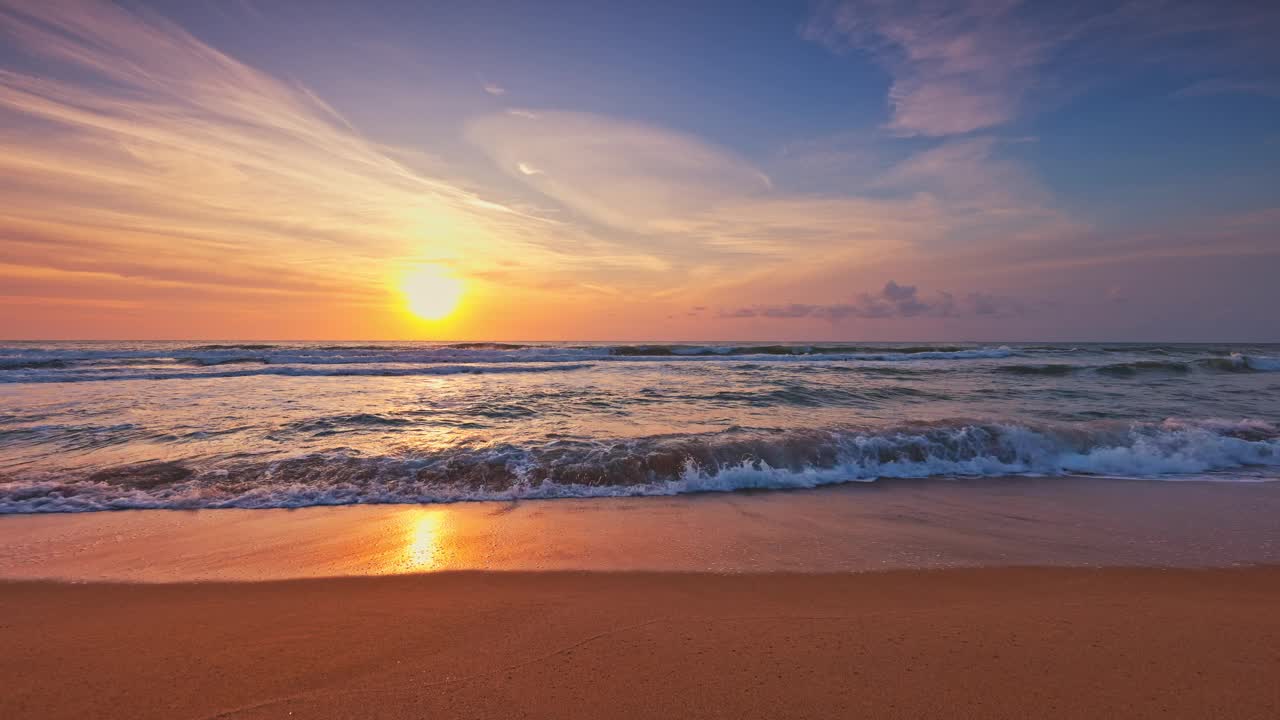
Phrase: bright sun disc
[430,292]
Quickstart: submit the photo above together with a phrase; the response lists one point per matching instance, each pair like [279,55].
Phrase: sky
[852,170]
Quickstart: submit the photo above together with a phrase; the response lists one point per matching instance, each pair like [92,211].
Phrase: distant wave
[1236,362]
[293,371]
[668,465]
[705,350]
[487,352]
[1144,366]
[47,364]
[35,364]
[62,365]
[1049,369]
[235,346]
[233,360]
[1125,369]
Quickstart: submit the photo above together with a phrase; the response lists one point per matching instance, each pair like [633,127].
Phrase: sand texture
[994,642]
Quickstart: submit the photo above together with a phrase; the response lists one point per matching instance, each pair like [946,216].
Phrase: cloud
[973,171]
[985,199]
[141,152]
[717,222]
[960,66]
[892,301]
[621,174]
[956,66]
[494,89]
[809,229]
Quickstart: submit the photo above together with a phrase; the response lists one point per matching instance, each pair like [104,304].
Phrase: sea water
[100,426]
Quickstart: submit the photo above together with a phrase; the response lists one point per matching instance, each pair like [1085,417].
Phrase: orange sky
[159,185]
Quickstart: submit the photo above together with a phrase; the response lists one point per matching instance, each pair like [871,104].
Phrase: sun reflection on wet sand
[427,530]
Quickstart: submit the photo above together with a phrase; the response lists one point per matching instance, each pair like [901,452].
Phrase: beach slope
[999,642]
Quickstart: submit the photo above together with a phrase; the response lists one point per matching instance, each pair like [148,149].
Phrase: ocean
[91,426]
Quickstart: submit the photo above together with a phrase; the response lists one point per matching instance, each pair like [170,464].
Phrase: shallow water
[92,426]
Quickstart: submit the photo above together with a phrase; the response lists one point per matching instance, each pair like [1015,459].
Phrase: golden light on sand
[431,292]
[424,541]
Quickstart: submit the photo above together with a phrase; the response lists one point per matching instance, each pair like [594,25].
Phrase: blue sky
[1034,170]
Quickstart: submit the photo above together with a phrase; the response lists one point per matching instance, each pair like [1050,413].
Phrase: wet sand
[857,527]
[999,643]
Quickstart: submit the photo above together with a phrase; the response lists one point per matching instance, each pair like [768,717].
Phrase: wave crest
[732,460]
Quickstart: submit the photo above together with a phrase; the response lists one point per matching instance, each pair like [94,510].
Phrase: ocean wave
[486,346]
[1256,363]
[669,465]
[62,365]
[1144,366]
[235,346]
[1049,369]
[1235,362]
[347,422]
[787,350]
[452,354]
[211,361]
[37,364]
[294,371]
[46,364]
[1231,363]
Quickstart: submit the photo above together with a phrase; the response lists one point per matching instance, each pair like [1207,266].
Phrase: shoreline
[847,528]
[987,642]
[1217,477]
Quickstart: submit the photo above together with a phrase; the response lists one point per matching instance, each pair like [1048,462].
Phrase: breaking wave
[667,465]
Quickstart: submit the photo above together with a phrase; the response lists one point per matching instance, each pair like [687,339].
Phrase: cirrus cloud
[623,174]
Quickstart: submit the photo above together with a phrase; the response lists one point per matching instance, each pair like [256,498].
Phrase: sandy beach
[1150,600]
[1006,643]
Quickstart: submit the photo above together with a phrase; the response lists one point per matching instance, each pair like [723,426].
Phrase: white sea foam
[1257,362]
[1174,449]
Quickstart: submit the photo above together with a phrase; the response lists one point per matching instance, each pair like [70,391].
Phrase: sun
[431,292]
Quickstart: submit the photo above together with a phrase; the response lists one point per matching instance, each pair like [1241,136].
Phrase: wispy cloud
[622,174]
[956,66]
[959,66]
[142,152]
[804,230]
[988,197]
[723,231]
